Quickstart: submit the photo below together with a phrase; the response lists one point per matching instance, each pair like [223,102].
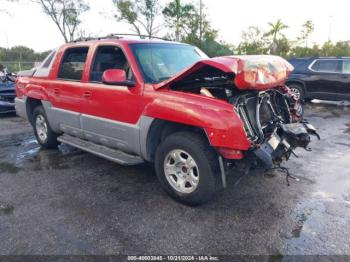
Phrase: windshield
[159,62]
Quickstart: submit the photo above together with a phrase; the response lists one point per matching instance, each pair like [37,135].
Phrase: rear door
[66,91]
[326,78]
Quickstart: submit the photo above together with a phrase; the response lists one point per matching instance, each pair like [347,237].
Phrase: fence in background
[15,67]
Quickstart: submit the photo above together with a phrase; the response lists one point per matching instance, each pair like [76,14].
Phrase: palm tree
[275,31]
[176,14]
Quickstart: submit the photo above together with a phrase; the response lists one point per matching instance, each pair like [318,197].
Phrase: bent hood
[258,72]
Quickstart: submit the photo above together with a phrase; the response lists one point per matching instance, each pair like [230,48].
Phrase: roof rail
[141,36]
[116,36]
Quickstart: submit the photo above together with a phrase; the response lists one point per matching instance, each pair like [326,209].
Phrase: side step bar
[114,155]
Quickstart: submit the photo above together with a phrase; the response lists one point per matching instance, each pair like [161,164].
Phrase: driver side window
[109,57]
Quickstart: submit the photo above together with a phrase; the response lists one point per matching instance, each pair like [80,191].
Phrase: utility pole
[330,29]
[7,39]
[200,21]
[20,60]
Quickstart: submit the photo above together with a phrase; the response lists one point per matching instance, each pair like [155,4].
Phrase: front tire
[187,168]
[45,136]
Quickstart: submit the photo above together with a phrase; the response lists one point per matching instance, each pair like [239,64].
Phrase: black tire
[50,141]
[299,89]
[205,159]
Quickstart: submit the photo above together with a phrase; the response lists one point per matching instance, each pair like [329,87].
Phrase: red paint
[119,103]
[251,72]
[114,76]
[229,153]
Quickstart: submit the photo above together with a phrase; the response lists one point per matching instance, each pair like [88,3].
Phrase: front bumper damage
[283,142]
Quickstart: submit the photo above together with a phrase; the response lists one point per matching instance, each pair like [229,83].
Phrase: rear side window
[72,65]
[44,69]
[327,66]
[48,59]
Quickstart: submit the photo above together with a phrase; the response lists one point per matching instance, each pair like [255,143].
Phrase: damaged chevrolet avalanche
[136,101]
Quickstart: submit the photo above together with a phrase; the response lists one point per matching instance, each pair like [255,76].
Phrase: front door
[111,113]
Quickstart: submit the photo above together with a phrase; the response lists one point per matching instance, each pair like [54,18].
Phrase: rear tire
[45,136]
[188,168]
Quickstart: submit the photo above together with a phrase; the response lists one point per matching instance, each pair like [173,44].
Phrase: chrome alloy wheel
[181,171]
[41,128]
[296,93]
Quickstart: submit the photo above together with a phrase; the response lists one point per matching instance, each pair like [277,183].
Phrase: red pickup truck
[135,101]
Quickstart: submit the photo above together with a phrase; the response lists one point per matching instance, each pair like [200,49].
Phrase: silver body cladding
[129,138]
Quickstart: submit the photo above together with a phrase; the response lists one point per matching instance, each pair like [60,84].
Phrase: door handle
[87,94]
[56,91]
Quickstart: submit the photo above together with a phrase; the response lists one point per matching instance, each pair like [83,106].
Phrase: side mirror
[116,77]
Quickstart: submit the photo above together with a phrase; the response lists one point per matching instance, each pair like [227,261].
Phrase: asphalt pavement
[69,202]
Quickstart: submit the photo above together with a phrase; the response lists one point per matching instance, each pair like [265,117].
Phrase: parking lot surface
[69,202]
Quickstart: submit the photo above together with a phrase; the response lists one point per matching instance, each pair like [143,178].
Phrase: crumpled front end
[273,122]
[254,85]
[282,143]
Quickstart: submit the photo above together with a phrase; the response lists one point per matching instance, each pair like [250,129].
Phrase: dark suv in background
[325,78]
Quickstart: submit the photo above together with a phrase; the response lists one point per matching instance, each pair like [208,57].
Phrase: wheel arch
[297,82]
[35,94]
[160,129]
[31,104]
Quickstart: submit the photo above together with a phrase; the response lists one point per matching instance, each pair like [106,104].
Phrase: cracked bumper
[279,147]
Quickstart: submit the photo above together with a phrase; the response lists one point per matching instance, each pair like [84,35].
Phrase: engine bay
[272,118]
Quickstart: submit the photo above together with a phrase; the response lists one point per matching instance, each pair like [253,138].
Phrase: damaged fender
[222,125]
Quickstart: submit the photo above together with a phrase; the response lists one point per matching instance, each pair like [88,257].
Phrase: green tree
[275,33]
[341,48]
[215,48]
[65,14]
[253,42]
[141,14]
[283,46]
[200,29]
[199,32]
[20,57]
[20,53]
[307,29]
[327,48]
[301,51]
[177,17]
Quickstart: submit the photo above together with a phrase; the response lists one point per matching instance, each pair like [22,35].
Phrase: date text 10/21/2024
[173,258]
